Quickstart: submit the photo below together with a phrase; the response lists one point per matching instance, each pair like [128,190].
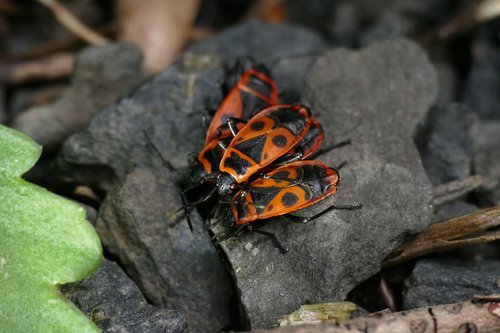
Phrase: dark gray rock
[448,79]
[166,107]
[483,83]
[115,304]
[407,18]
[452,209]
[447,280]
[486,160]
[344,23]
[445,143]
[314,15]
[376,98]
[174,267]
[101,76]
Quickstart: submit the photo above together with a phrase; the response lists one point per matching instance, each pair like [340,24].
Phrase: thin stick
[73,24]
[47,68]
[474,228]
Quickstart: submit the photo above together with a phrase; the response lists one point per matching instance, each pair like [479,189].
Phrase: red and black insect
[208,160]
[254,91]
[266,137]
[282,191]
[288,188]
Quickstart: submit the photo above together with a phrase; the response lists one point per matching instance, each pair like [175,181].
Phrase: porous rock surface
[116,305]
[483,82]
[450,280]
[446,143]
[486,159]
[174,267]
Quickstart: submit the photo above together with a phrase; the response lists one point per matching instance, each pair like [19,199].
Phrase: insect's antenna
[166,163]
[329,148]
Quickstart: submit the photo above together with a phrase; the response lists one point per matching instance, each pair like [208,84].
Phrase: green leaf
[45,240]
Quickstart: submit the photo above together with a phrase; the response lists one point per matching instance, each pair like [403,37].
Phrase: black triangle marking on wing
[252,148]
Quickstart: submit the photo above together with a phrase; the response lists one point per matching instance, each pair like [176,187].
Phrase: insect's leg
[288,159]
[222,213]
[187,210]
[166,163]
[278,244]
[231,123]
[341,165]
[204,198]
[188,206]
[227,233]
[327,149]
[301,219]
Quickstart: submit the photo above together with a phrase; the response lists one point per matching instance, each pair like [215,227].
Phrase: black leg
[301,219]
[272,236]
[341,165]
[186,210]
[327,149]
[188,206]
[237,231]
[227,233]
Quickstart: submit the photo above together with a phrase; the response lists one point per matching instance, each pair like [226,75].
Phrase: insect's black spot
[235,162]
[257,126]
[281,175]
[280,141]
[252,148]
[266,156]
[270,207]
[289,199]
[240,139]
[263,196]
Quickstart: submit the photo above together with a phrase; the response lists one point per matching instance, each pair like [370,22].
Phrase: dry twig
[52,67]
[73,24]
[449,234]
[478,12]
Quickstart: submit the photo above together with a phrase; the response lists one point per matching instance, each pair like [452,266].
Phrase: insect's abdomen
[286,189]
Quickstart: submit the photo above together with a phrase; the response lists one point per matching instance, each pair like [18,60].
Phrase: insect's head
[225,183]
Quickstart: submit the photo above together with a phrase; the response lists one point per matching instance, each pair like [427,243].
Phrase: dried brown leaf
[161,28]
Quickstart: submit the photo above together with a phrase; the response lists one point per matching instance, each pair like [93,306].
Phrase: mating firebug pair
[257,166]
